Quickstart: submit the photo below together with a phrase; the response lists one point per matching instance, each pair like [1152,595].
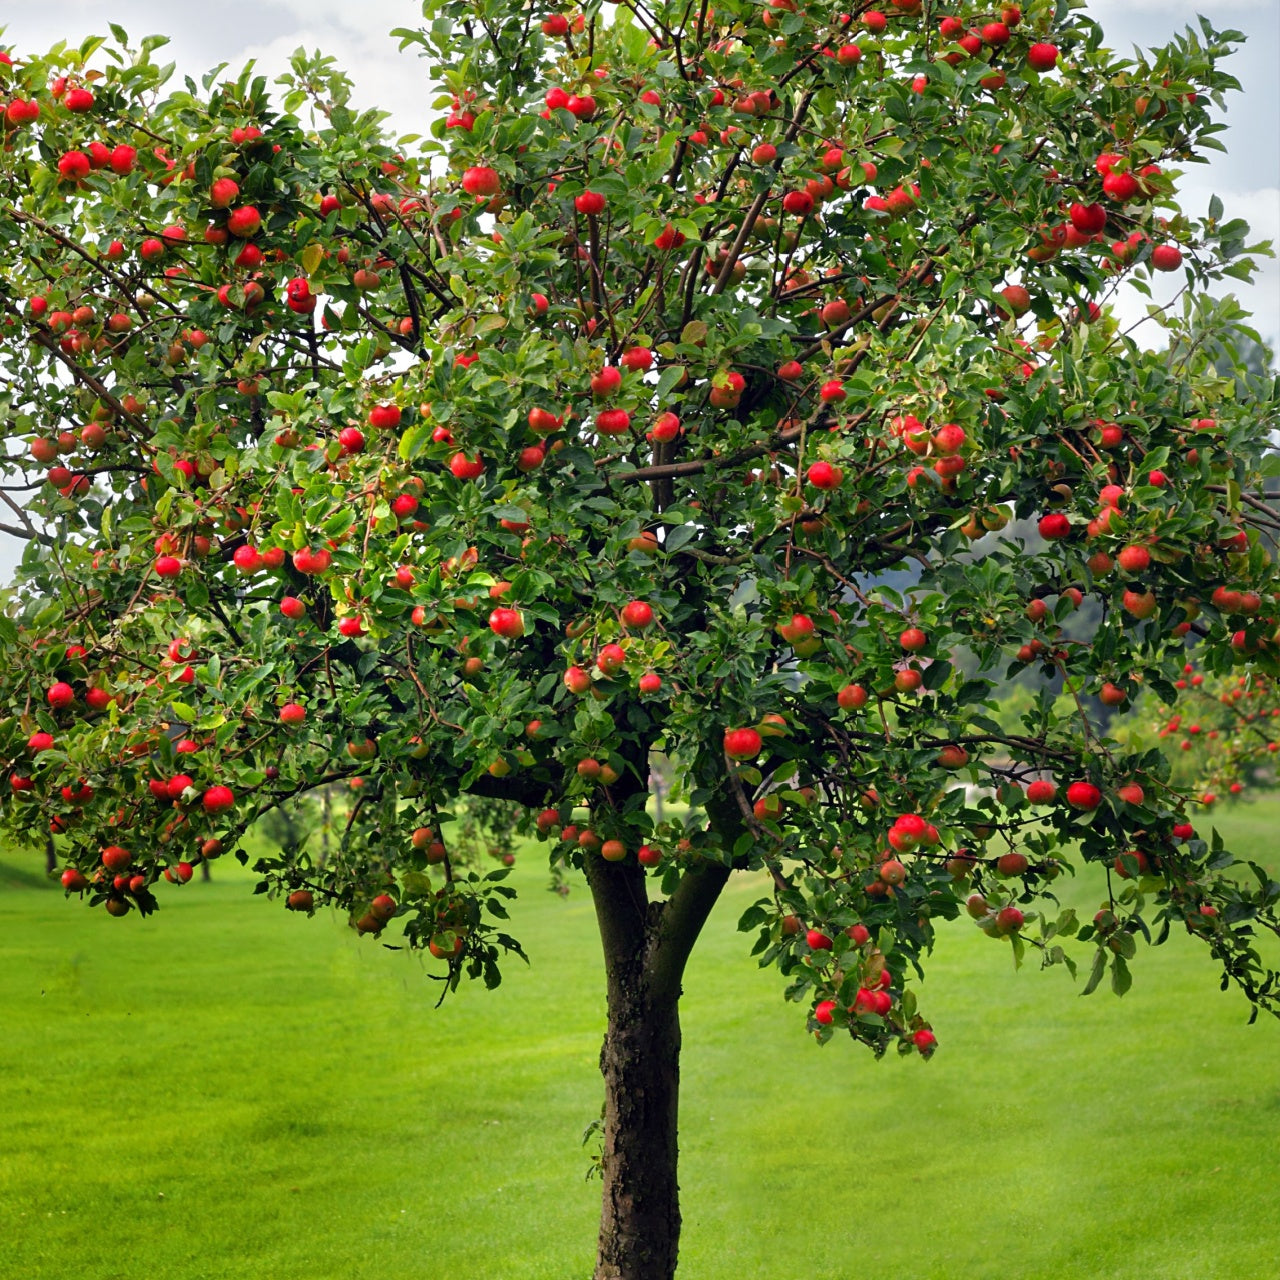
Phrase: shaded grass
[228,1092]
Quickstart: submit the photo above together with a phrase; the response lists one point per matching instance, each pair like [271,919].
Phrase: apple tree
[670,392]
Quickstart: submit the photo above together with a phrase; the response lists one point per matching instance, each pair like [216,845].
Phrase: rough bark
[646,946]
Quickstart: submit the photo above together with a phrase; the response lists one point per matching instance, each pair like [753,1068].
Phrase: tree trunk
[50,856]
[646,946]
[640,1062]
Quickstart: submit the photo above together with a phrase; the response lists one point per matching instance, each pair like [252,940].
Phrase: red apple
[742,744]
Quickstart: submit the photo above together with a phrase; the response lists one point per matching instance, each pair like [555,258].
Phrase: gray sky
[1247,178]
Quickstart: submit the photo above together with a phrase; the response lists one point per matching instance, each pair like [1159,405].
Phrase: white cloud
[1261,298]
[382,77]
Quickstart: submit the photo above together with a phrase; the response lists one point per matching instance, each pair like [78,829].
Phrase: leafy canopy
[678,382]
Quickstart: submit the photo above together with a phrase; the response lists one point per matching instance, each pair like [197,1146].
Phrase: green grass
[228,1091]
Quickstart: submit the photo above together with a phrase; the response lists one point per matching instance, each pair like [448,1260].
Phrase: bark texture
[646,946]
[640,1062]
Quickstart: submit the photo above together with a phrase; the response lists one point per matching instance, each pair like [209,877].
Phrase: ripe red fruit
[1042,791]
[925,1041]
[244,221]
[222,192]
[1011,864]
[73,880]
[650,682]
[60,695]
[1054,525]
[832,392]
[728,394]
[638,614]
[666,428]
[114,858]
[1088,219]
[638,359]
[1083,795]
[1112,695]
[605,383]
[824,1011]
[506,623]
[168,566]
[247,559]
[908,680]
[1134,558]
[291,713]
[543,421]
[1166,257]
[1016,301]
[913,640]
[1141,604]
[817,940]
[852,697]
[1120,187]
[613,422]
[668,238]
[1009,920]
[822,475]
[465,468]
[589,202]
[74,166]
[1042,57]
[481,181]
[742,744]
[218,799]
[799,203]
[385,416]
[611,658]
[293,608]
[799,628]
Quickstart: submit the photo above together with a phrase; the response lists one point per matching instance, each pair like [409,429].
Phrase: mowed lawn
[229,1091]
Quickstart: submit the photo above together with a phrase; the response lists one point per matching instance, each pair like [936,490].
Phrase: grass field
[228,1092]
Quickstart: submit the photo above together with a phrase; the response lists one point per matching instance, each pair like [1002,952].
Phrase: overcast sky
[207,32]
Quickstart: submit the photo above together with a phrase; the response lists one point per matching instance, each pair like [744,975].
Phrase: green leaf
[1121,979]
[1097,972]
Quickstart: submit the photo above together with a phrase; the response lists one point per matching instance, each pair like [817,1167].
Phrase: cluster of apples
[877,994]
[550,825]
